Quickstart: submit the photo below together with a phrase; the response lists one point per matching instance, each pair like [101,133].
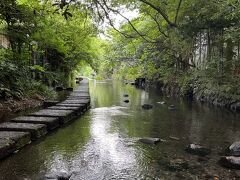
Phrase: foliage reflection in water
[103,144]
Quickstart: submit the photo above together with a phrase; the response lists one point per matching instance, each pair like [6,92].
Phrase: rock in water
[125,95]
[162,102]
[230,162]
[234,149]
[150,140]
[196,149]
[147,106]
[172,107]
[126,101]
[58,176]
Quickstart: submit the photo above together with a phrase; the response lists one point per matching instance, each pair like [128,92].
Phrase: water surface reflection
[103,144]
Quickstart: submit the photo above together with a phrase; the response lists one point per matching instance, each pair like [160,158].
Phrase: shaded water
[103,144]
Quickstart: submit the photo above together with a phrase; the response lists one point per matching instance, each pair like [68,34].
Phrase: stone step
[78,110]
[73,98]
[50,122]
[11,141]
[36,130]
[79,94]
[79,101]
[79,97]
[72,105]
[64,116]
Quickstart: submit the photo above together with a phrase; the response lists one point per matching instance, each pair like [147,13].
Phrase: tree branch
[178,8]
[129,22]
[160,11]
[158,25]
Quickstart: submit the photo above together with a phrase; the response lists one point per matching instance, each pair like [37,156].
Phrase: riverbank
[198,89]
[10,107]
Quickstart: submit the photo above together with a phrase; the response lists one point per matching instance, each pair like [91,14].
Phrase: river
[103,144]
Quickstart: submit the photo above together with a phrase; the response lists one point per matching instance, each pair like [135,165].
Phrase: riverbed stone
[230,162]
[36,130]
[50,122]
[147,106]
[196,149]
[64,115]
[150,140]
[178,165]
[234,149]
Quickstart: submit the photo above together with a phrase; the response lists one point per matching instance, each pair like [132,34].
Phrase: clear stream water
[103,144]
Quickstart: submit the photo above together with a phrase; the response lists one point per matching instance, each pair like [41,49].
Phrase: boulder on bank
[234,149]
[147,106]
[199,150]
[230,162]
[150,140]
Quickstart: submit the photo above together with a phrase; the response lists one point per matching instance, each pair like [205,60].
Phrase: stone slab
[65,108]
[20,138]
[50,122]
[78,110]
[79,97]
[71,105]
[78,101]
[79,94]
[36,130]
[64,115]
